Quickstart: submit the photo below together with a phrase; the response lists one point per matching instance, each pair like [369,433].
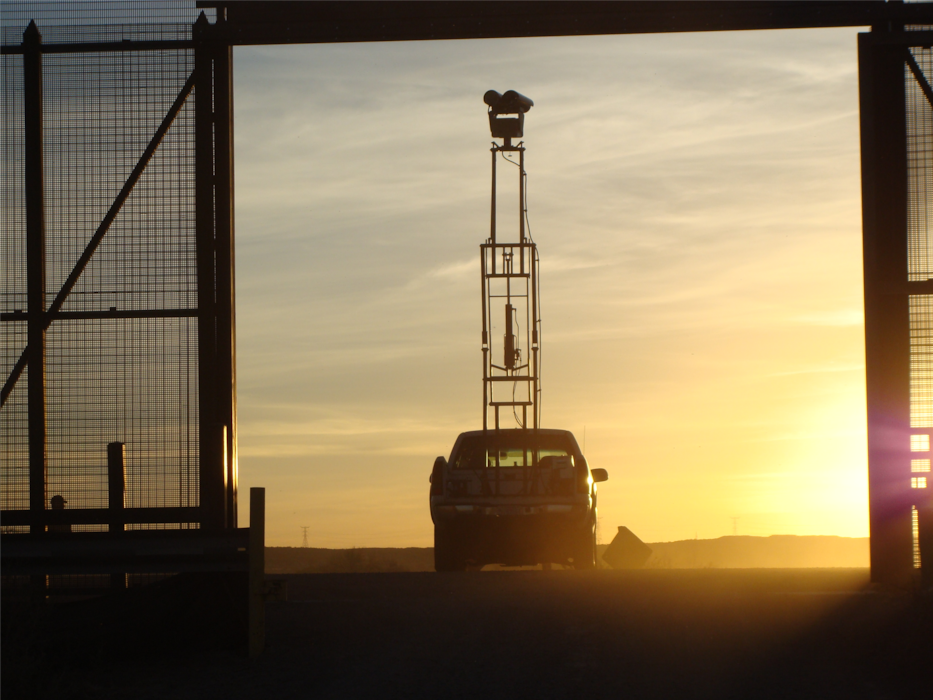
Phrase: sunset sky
[695,200]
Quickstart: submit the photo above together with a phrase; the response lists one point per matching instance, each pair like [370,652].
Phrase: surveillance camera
[511,103]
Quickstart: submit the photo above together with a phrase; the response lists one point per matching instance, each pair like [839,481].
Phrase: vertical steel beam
[483,253]
[225,272]
[887,322]
[536,413]
[257,569]
[211,467]
[492,208]
[35,271]
[521,208]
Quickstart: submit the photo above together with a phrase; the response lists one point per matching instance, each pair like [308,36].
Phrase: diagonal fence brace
[101,230]
[919,76]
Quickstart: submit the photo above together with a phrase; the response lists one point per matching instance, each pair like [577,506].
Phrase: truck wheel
[585,556]
[447,555]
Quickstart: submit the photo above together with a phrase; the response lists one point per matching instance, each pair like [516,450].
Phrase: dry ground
[742,552]
[518,634]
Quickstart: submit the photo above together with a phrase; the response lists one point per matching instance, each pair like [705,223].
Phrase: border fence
[117,307]
[116,301]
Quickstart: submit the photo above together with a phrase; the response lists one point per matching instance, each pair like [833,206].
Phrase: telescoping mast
[511,318]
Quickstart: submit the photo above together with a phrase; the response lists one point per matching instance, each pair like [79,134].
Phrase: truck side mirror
[599,475]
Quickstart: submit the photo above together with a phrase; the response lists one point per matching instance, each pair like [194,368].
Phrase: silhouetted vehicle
[514,497]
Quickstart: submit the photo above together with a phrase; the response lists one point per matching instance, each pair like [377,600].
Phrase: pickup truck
[514,497]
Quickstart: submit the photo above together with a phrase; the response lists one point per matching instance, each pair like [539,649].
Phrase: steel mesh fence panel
[127,380]
[920,248]
[14,455]
[122,365]
[52,15]
[921,361]
[100,112]
[919,170]
[919,128]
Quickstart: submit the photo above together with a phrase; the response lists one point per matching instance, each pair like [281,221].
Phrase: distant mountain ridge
[743,551]
[774,552]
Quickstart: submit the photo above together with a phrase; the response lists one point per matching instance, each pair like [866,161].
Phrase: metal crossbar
[100,232]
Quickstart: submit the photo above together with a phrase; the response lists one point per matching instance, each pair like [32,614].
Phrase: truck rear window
[479,452]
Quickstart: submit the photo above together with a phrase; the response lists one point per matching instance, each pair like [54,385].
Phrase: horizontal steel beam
[105,46]
[917,39]
[142,551]
[86,315]
[250,22]
[100,516]
[924,287]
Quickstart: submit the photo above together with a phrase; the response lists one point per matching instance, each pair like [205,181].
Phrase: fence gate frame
[886,64]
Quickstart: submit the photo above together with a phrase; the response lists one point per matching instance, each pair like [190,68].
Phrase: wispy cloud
[695,199]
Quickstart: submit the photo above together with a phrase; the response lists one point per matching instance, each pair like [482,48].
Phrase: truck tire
[584,557]
[447,555]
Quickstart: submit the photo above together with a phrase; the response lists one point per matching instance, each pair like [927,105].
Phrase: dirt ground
[739,552]
[752,633]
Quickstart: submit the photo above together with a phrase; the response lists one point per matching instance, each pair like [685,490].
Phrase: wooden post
[116,485]
[257,574]
[116,498]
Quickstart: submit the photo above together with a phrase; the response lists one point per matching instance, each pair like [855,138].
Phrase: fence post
[35,270]
[116,501]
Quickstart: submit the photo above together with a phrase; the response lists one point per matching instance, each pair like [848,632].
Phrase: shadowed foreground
[634,634]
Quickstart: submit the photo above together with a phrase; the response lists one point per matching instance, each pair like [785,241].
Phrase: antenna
[304,540]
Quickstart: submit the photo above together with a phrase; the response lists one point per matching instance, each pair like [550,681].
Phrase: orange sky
[695,200]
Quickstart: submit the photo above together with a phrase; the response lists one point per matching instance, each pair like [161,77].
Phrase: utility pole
[304,539]
[735,525]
